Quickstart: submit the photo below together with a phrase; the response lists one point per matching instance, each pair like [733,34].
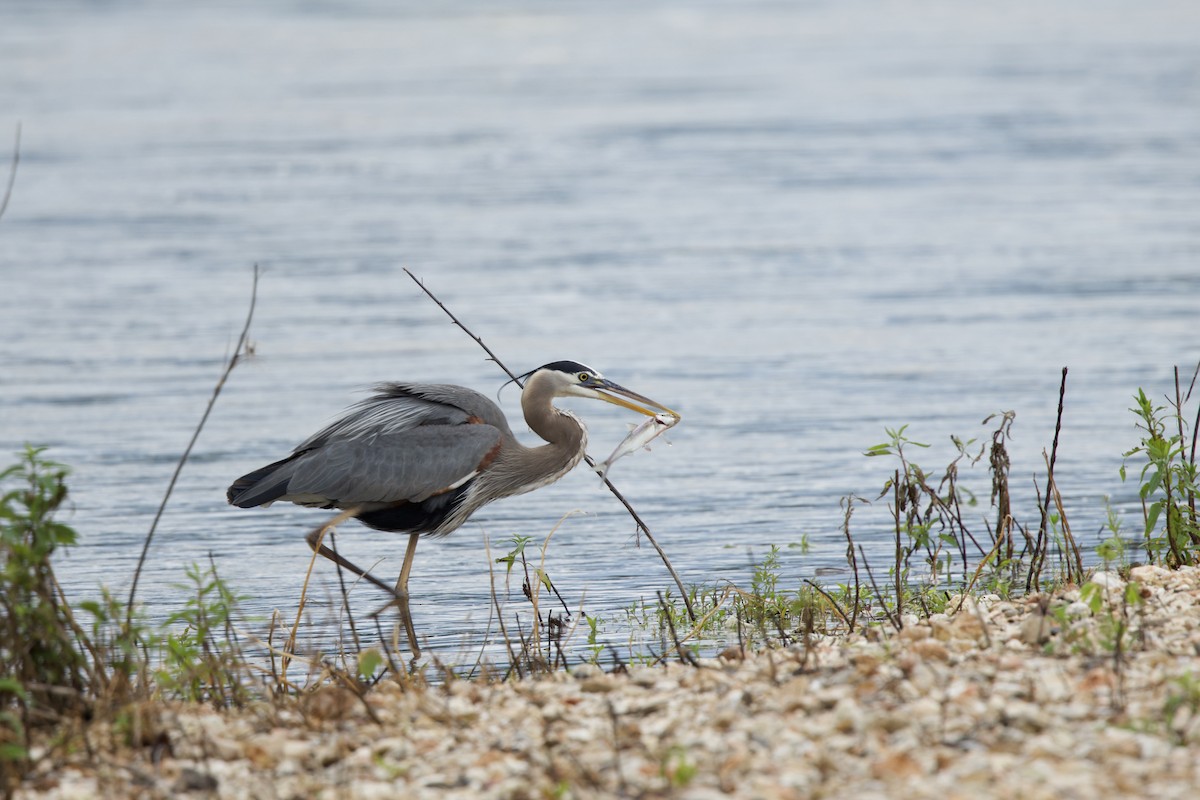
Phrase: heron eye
[584,377]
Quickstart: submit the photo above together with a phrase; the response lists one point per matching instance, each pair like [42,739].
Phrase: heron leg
[409,555]
[401,592]
[314,542]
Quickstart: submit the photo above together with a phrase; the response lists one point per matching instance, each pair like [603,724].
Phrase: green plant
[1168,486]
[1184,694]
[39,647]
[926,518]
[517,553]
[1112,550]
[14,743]
[764,583]
[369,661]
[1103,631]
[595,646]
[202,662]
[676,767]
[1113,621]
[766,608]
[118,640]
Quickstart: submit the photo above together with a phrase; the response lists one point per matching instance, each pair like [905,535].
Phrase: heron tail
[263,485]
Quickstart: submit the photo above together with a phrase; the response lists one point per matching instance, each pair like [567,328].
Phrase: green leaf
[1152,516]
[1150,486]
[13,686]
[369,660]
[1091,594]
[12,752]
[1158,449]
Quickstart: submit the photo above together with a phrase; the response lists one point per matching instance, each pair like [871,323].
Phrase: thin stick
[1071,546]
[1039,554]
[719,603]
[685,656]
[849,501]
[832,602]
[641,525]
[491,356]
[982,564]
[896,622]
[1192,458]
[1179,402]
[899,549]
[12,171]
[233,362]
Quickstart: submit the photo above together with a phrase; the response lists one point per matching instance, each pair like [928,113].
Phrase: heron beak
[615,393]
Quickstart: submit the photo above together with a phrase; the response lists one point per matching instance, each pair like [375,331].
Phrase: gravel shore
[1058,696]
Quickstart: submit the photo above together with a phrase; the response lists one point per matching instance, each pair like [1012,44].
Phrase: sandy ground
[1092,695]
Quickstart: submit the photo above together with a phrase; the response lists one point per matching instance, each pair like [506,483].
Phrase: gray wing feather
[388,468]
[398,407]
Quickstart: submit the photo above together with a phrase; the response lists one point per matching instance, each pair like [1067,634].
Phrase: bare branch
[233,362]
[491,356]
[12,171]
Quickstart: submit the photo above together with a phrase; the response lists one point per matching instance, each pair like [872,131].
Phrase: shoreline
[1064,695]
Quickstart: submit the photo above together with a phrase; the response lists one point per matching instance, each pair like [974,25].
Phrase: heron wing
[399,407]
[406,443]
[410,466]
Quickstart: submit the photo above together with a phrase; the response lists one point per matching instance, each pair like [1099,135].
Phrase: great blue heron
[421,458]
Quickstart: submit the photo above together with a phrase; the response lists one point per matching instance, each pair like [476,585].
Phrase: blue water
[796,224]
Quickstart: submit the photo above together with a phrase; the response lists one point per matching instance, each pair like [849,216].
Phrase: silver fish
[638,438]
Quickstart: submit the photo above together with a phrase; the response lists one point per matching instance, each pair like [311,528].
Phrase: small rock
[1096,678]
[597,685]
[915,632]
[1037,629]
[1151,574]
[733,653]
[1025,716]
[966,623]
[586,671]
[847,716]
[896,765]
[645,677]
[193,780]
[865,664]
[940,625]
[932,650]
[1078,610]
[1050,685]
[330,703]
[1108,580]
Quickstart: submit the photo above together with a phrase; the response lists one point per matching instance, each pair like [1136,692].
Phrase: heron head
[572,379]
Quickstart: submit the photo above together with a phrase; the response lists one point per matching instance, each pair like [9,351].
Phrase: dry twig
[12,171]
[238,351]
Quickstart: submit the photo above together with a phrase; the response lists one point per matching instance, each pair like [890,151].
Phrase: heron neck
[519,469]
[552,424]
